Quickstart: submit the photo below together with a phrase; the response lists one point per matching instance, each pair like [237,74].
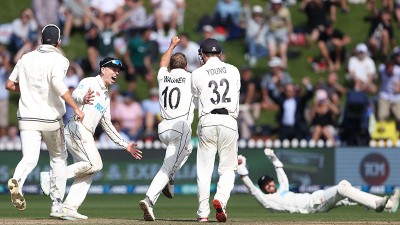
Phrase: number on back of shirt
[224,84]
[172,98]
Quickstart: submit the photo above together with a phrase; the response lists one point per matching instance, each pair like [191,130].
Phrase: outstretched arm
[167,55]
[282,178]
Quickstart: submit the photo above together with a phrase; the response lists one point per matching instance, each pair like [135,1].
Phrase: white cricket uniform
[319,201]
[217,86]
[177,106]
[40,75]
[80,141]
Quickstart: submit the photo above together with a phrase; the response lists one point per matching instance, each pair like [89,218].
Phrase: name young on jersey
[168,79]
[216,71]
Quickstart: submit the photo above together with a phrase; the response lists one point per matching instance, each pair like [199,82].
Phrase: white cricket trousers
[217,134]
[31,142]
[344,189]
[87,161]
[176,135]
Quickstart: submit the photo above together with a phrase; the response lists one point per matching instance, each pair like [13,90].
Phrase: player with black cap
[217,86]
[93,98]
[38,77]
[283,200]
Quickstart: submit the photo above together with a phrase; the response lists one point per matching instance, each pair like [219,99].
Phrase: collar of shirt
[48,48]
[213,59]
[101,82]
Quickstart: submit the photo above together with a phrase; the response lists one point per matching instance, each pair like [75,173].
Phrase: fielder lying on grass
[282,200]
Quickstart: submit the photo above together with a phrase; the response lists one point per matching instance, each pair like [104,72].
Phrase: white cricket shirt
[175,94]
[217,85]
[99,111]
[40,104]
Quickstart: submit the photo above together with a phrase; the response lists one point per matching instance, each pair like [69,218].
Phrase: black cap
[51,34]
[112,62]
[263,180]
[210,45]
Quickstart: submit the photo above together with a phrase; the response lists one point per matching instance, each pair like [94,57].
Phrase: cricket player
[38,77]
[283,200]
[177,106]
[92,97]
[217,85]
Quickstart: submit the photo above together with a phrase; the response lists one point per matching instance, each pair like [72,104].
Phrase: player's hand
[271,156]
[241,169]
[175,41]
[136,153]
[89,97]
[79,114]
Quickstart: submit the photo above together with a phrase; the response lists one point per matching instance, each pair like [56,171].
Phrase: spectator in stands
[208,31]
[395,56]
[280,27]
[256,31]
[226,18]
[24,29]
[104,140]
[381,34]
[77,14]
[361,67]
[27,47]
[333,88]
[46,12]
[116,99]
[5,57]
[12,139]
[331,44]
[133,19]
[73,76]
[4,96]
[281,76]
[170,13]
[103,7]
[292,123]
[92,39]
[355,122]
[317,15]
[389,93]
[249,102]
[138,59]
[151,109]
[324,114]
[130,114]
[190,50]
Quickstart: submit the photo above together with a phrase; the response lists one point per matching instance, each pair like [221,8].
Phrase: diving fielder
[38,77]
[283,200]
[177,106]
[217,85]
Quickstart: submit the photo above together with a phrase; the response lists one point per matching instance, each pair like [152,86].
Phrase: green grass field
[124,209]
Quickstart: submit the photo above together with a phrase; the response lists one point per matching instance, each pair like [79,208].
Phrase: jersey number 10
[166,95]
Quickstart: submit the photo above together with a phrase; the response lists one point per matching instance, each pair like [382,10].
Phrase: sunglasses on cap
[114,61]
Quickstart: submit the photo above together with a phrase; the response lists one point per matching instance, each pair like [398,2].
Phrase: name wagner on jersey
[168,79]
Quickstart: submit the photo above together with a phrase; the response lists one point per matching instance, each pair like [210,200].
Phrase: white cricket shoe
[71,214]
[380,204]
[147,208]
[17,198]
[168,190]
[395,198]
[56,210]
[45,182]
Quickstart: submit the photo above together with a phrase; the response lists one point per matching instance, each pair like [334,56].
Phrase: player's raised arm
[280,173]
[167,55]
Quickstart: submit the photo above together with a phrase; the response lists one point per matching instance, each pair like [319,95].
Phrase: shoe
[202,219]
[56,210]
[395,198]
[168,190]
[70,214]
[17,198]
[380,204]
[147,208]
[45,182]
[221,214]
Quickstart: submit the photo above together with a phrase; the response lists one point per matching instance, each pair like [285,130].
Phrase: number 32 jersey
[217,85]
[176,99]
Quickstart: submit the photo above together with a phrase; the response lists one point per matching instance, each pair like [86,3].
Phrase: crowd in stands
[324,109]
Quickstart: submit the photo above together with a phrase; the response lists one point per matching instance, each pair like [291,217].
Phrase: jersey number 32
[217,98]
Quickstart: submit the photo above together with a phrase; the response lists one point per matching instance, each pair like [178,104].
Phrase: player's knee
[343,185]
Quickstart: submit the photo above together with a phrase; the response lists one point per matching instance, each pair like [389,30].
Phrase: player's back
[217,85]
[175,96]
